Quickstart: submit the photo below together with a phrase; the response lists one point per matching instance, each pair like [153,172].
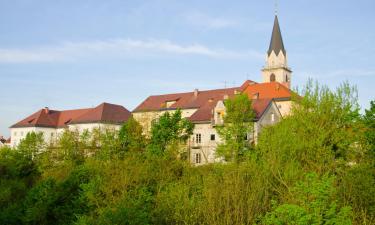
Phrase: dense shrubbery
[314,167]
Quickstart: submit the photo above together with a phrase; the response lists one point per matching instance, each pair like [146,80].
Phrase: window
[168,104]
[286,78]
[272,78]
[21,133]
[212,137]
[198,138]
[15,133]
[198,158]
[273,117]
[245,137]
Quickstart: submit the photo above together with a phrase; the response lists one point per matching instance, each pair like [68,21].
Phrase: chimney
[46,110]
[196,92]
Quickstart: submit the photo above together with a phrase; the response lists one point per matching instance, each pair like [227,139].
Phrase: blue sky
[68,54]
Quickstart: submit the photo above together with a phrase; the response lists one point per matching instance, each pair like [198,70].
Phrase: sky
[67,54]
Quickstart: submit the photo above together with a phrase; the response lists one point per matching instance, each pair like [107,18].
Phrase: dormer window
[168,104]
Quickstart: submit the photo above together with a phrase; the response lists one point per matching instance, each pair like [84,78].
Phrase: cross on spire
[276,7]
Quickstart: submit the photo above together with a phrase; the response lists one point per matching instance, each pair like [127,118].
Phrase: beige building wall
[285,107]
[277,65]
[146,118]
[205,147]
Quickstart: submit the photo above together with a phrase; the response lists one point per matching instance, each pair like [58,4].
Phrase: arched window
[286,78]
[272,78]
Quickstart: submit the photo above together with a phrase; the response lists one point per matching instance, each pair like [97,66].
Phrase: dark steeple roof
[276,44]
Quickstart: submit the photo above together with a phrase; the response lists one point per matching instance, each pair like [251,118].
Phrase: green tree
[18,173]
[313,203]
[238,123]
[32,144]
[169,129]
[72,145]
[131,136]
[369,121]
[321,133]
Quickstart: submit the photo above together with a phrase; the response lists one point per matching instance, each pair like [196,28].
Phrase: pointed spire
[276,44]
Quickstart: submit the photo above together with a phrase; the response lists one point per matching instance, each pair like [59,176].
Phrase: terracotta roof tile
[205,101]
[259,106]
[105,112]
[268,90]
[184,100]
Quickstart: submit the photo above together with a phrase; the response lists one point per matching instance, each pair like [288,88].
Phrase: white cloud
[116,48]
[206,21]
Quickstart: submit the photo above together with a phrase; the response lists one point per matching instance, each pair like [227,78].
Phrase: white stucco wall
[91,126]
[17,134]
[50,135]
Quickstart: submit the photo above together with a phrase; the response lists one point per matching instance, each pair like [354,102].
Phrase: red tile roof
[205,101]
[268,90]
[103,113]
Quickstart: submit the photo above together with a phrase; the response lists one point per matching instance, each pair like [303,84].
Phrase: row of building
[271,100]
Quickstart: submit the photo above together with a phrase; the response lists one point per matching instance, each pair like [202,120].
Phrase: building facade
[51,123]
[271,101]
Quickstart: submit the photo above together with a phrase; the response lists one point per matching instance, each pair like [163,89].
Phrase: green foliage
[131,136]
[32,144]
[170,129]
[321,134]
[109,177]
[57,203]
[238,123]
[72,145]
[313,203]
[18,173]
[369,121]
[134,209]
[357,188]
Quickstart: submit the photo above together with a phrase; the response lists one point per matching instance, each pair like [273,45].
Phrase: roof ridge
[200,91]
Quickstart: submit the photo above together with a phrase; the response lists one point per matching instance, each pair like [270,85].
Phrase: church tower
[276,68]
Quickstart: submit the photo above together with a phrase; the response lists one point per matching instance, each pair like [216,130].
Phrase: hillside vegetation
[314,167]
